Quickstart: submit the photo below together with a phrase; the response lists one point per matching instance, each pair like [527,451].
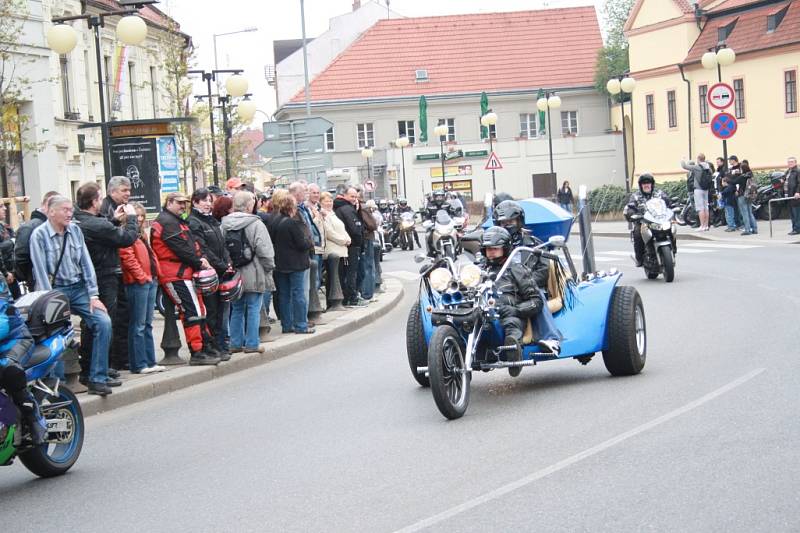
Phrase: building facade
[64,95]
[672,116]
[371,93]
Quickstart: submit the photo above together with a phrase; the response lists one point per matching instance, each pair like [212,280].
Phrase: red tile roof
[684,5]
[730,4]
[750,33]
[465,54]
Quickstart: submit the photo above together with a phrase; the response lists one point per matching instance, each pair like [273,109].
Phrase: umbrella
[484,110]
[423,119]
[541,113]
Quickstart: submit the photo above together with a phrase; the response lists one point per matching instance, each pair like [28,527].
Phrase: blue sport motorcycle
[47,315]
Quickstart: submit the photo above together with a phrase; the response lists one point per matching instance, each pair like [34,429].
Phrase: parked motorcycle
[685,213]
[772,191]
[442,237]
[47,315]
[657,226]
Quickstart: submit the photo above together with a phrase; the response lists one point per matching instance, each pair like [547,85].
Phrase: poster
[168,164]
[137,158]
[460,170]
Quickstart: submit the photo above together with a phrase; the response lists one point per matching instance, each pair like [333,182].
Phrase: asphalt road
[341,438]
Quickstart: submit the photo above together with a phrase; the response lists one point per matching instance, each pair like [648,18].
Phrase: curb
[145,388]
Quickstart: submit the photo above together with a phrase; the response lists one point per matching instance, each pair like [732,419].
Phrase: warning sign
[493,163]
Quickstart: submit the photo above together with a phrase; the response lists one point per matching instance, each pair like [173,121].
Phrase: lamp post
[216,62]
[441,130]
[236,85]
[624,84]
[131,30]
[550,101]
[488,120]
[402,142]
[367,153]
[717,57]
[245,110]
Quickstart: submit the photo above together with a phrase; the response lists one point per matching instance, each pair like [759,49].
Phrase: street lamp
[236,88]
[131,30]
[367,154]
[246,110]
[401,143]
[717,57]
[488,120]
[245,30]
[624,84]
[441,130]
[550,101]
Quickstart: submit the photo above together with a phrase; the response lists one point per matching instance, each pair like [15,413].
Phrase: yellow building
[671,115]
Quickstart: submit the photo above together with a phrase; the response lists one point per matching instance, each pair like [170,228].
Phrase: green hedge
[608,199]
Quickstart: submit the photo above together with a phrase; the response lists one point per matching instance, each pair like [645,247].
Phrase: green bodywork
[7,449]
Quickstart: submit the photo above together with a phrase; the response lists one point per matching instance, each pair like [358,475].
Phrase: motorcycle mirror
[478,257]
[557,240]
[419,258]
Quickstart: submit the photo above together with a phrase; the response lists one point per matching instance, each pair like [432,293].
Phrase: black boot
[513,355]
[203,358]
[37,426]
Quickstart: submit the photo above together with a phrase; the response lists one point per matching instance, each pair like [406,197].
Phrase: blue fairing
[542,218]
[424,302]
[57,344]
[584,325]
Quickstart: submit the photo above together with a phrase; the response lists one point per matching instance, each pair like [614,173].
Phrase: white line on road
[403,274]
[723,246]
[569,461]
[683,250]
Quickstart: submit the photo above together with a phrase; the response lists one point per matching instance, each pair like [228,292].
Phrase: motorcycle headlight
[407,225]
[445,230]
[470,276]
[666,226]
[440,279]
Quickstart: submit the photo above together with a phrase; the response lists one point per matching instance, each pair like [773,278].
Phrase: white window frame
[451,128]
[365,135]
[573,127]
[408,125]
[527,125]
[330,141]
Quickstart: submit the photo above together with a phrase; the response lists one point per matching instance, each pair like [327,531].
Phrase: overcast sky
[280,19]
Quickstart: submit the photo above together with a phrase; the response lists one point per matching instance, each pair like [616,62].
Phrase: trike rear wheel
[627,333]
[416,347]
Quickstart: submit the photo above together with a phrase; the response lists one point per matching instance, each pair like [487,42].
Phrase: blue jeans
[795,218]
[319,271]
[566,207]
[267,300]
[141,346]
[99,324]
[544,325]
[293,299]
[748,219]
[730,216]
[366,271]
[245,319]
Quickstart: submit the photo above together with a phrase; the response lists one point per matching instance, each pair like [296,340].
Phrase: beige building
[672,118]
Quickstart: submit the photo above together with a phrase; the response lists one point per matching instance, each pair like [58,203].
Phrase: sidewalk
[137,388]
[780,228]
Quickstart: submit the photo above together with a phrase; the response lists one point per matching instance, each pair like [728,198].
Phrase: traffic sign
[369,186]
[493,163]
[720,96]
[724,126]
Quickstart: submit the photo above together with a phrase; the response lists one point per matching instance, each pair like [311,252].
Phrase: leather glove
[507,311]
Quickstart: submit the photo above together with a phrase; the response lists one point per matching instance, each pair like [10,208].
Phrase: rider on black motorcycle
[15,344]
[518,297]
[636,205]
[437,201]
[402,207]
[384,209]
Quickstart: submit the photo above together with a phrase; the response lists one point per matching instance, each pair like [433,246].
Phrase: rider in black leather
[403,207]
[511,216]
[636,206]
[518,299]
[437,201]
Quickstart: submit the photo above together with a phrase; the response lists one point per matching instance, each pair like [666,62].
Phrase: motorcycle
[772,191]
[405,229]
[441,236]
[657,226]
[384,243]
[47,314]
[685,213]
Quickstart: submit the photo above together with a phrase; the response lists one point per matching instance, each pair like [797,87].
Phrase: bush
[608,199]
[763,176]
[674,189]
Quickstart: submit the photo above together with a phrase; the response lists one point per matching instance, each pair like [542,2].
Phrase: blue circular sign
[724,126]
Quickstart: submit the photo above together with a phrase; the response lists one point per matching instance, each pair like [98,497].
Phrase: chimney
[356,5]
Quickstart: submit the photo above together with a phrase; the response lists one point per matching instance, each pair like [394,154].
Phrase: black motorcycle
[772,191]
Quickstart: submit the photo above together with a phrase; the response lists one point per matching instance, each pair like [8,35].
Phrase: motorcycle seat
[40,354]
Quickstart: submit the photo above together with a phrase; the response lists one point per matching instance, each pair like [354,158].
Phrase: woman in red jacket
[139,275]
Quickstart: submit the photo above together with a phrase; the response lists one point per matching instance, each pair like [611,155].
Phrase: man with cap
[234,185]
[179,258]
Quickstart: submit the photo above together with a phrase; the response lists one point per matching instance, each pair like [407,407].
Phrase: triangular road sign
[494,162]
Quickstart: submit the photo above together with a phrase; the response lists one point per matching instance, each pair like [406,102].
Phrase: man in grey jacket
[700,187]
[245,227]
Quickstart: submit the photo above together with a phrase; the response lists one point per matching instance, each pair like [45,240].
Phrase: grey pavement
[339,437]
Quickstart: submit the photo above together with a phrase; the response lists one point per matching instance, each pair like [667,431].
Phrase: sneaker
[203,359]
[552,346]
[793,232]
[113,373]
[699,229]
[236,349]
[257,349]
[148,370]
[305,331]
[746,233]
[158,368]
[225,355]
[112,382]
[729,230]
[99,389]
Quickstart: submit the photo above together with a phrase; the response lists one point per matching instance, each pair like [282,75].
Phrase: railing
[769,210]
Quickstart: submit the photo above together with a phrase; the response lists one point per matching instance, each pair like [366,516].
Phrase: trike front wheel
[449,379]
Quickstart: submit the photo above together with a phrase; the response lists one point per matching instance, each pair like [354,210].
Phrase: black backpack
[706,179]
[238,247]
[23,269]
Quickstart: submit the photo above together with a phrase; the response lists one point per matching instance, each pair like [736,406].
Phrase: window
[738,92]
[790,86]
[329,144]
[405,128]
[651,112]
[88,71]
[153,91]
[527,125]
[366,135]
[723,32]
[421,74]
[451,128]
[107,82]
[703,95]
[569,123]
[774,20]
[672,112]
[132,88]
[65,96]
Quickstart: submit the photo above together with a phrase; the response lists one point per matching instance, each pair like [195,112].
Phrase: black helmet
[501,197]
[382,203]
[646,178]
[438,195]
[508,210]
[495,237]
[402,201]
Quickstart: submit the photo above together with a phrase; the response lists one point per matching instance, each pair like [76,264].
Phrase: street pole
[208,77]
[625,144]
[227,135]
[441,148]
[305,56]
[724,141]
[403,157]
[549,136]
[95,22]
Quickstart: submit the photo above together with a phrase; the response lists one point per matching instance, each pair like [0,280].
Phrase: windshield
[657,210]
[442,217]
[407,216]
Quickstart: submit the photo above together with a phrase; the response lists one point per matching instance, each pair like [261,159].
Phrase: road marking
[403,274]
[724,246]
[682,250]
[621,254]
[569,461]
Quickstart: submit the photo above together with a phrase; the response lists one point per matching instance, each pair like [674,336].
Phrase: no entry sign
[724,126]
[720,96]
